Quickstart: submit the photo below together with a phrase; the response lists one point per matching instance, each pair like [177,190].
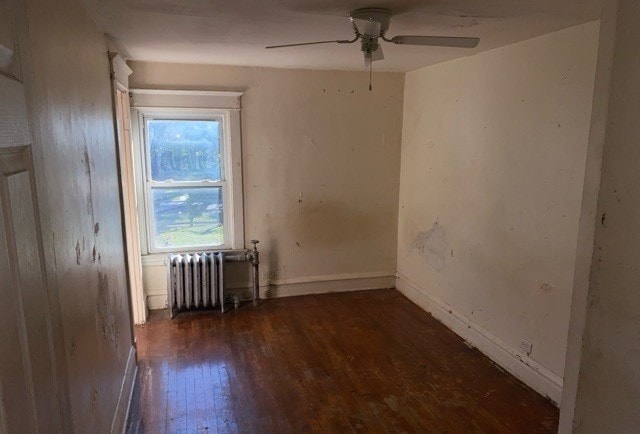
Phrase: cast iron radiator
[196,280]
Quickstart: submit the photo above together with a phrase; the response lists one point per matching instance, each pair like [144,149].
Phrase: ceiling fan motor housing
[378,15]
[369,44]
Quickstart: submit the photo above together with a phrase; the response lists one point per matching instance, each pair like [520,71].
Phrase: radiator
[196,280]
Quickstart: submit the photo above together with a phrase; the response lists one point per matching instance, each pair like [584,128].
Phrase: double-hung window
[189,159]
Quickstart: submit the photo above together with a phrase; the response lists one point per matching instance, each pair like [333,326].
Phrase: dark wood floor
[366,361]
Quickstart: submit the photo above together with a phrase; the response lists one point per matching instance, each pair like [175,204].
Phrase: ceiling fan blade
[437,41]
[378,54]
[305,43]
[367,27]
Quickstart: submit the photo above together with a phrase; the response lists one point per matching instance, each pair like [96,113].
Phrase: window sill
[154,259]
[151,259]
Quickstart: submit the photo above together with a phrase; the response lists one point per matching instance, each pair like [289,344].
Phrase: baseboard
[119,422]
[326,284]
[302,286]
[327,278]
[156,301]
[523,367]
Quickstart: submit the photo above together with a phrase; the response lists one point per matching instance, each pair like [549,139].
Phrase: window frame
[231,172]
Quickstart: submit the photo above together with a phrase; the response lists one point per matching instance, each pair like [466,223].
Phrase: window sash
[185,184]
[151,223]
[183,117]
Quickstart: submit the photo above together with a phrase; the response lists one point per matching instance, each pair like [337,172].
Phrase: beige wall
[588,217]
[608,396]
[69,97]
[321,157]
[493,158]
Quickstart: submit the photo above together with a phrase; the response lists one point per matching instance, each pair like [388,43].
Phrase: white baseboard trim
[327,278]
[157,301]
[119,423]
[326,284]
[523,367]
[302,286]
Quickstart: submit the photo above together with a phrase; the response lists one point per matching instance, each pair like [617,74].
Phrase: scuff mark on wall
[77,252]
[53,251]
[545,287]
[107,318]
[87,171]
[72,346]
[95,408]
[431,246]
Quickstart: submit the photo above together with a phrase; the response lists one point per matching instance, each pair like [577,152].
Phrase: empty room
[291,216]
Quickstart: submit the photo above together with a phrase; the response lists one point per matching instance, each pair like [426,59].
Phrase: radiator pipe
[246,255]
[221,260]
[170,288]
[254,258]
[236,255]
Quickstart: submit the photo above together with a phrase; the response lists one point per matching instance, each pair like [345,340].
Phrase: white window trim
[232,168]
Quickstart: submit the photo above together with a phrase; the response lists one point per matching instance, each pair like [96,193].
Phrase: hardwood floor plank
[368,361]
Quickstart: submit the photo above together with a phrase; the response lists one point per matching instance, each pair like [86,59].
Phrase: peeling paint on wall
[431,246]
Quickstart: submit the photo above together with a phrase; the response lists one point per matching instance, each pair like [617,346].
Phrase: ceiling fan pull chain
[370,70]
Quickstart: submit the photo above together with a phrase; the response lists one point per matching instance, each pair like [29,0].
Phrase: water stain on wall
[431,245]
[328,223]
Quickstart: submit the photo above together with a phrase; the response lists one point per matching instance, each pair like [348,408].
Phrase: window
[187,159]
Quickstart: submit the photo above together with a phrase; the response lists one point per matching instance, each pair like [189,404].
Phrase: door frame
[120,72]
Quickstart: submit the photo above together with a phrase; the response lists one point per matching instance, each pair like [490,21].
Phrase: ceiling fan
[371,24]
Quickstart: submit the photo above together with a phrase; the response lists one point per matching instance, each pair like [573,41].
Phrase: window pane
[187,217]
[184,150]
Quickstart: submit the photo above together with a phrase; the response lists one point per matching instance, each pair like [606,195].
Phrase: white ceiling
[234,32]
